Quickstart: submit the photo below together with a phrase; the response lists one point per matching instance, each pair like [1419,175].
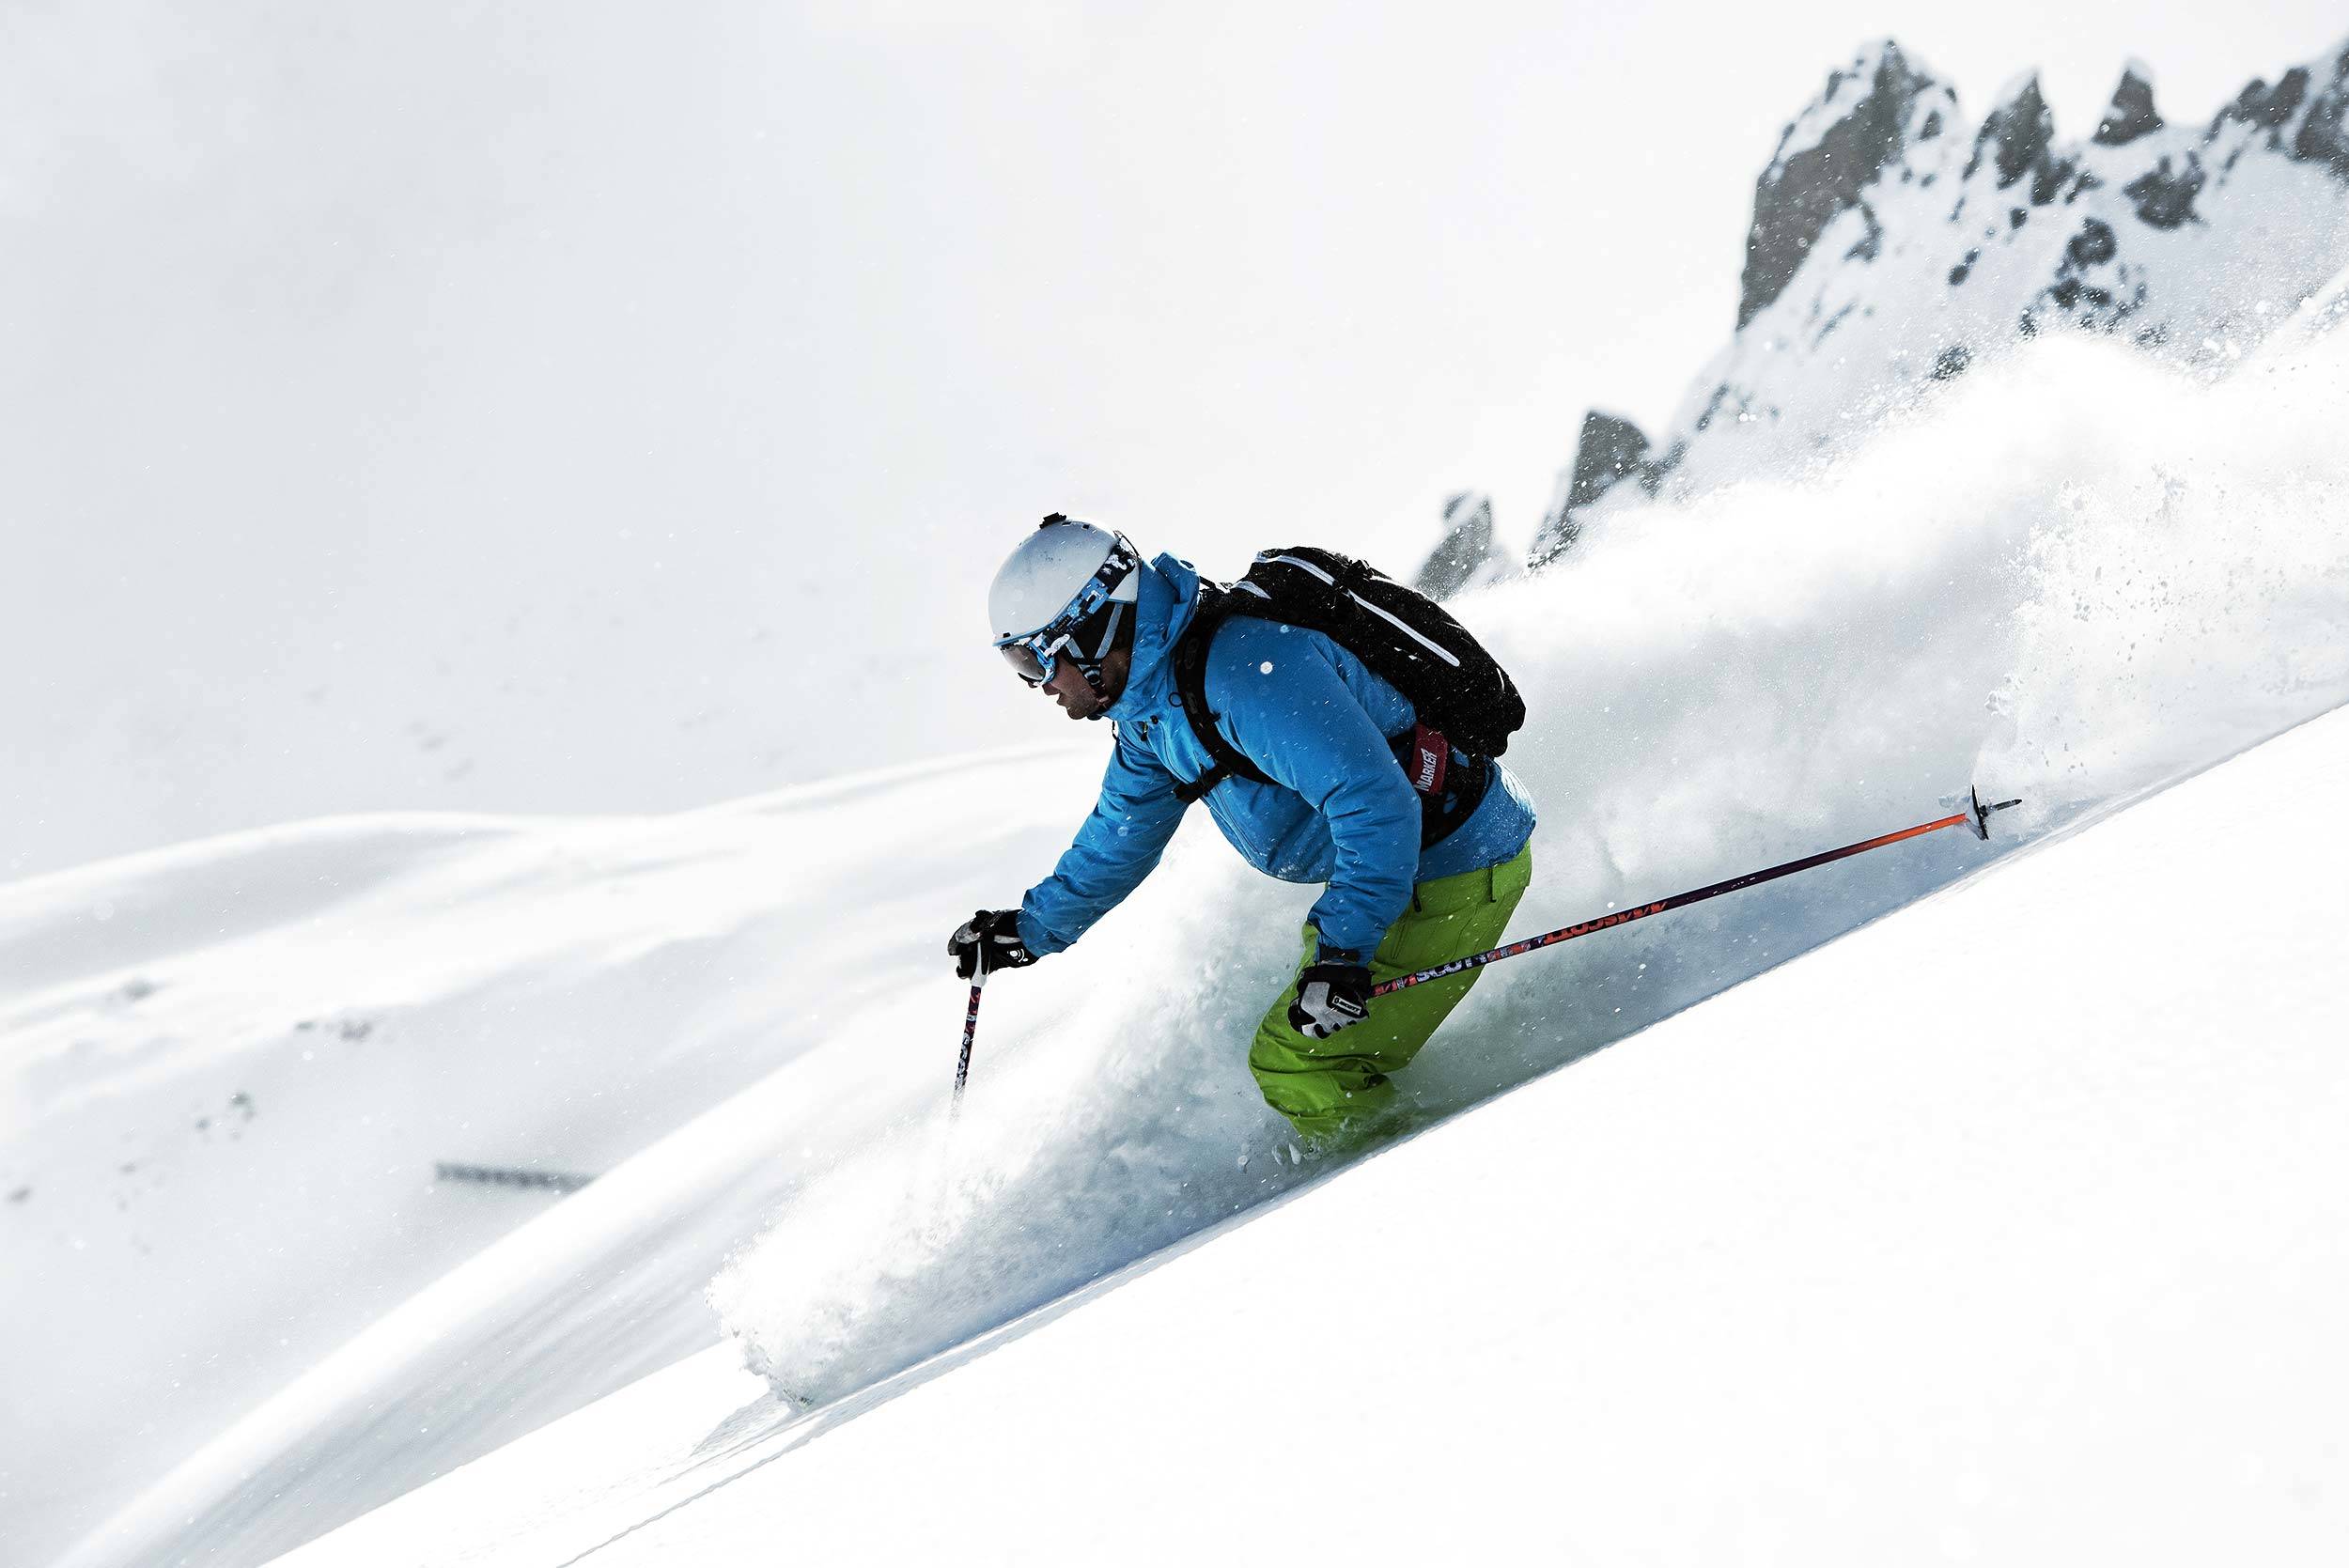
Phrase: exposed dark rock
[2015,138]
[2094,303]
[1871,243]
[2092,246]
[2132,113]
[2048,178]
[1704,418]
[2260,105]
[2324,136]
[1800,194]
[1468,544]
[1611,450]
[1952,363]
[1964,269]
[2165,196]
[509,1176]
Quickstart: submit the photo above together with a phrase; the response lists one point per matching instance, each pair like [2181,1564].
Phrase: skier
[1413,880]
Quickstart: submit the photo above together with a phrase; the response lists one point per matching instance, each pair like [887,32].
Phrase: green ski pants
[1320,1085]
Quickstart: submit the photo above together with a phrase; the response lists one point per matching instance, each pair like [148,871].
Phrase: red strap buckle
[1431,757]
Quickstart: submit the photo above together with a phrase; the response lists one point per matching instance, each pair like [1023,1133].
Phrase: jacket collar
[1170,596]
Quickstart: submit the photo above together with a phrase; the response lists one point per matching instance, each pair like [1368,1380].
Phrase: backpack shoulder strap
[1190,689]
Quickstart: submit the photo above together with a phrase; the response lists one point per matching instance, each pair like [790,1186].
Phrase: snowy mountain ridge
[1889,251]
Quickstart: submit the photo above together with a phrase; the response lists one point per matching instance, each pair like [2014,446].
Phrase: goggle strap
[1116,618]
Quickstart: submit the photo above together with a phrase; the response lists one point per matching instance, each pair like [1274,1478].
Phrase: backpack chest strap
[1190,689]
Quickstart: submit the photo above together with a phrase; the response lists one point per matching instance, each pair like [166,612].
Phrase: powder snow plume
[2073,576]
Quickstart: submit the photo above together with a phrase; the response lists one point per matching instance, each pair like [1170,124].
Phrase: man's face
[1076,695]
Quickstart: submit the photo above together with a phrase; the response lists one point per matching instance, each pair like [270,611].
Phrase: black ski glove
[988,942]
[1329,996]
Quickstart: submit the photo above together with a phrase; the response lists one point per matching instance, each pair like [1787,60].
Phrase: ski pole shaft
[970,1032]
[1976,817]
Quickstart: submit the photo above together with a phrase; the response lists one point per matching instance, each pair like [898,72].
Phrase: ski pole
[970,1032]
[1976,817]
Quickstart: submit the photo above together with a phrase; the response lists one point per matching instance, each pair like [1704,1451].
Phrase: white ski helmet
[1068,589]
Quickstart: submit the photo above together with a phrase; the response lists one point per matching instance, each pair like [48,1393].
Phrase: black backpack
[1462,695]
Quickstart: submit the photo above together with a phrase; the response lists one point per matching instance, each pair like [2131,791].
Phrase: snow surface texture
[1892,250]
[2009,1230]
[2073,578]
[241,1060]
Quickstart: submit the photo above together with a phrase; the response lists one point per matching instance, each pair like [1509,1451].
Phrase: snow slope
[2074,577]
[241,1060]
[2013,1227]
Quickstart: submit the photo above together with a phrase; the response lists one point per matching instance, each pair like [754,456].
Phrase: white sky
[557,407]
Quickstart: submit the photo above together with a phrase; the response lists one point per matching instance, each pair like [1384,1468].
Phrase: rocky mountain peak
[2322,133]
[1467,546]
[2131,113]
[1872,112]
[2018,134]
[1878,265]
[1610,450]
[2304,114]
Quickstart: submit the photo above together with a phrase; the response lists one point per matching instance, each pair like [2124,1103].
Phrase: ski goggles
[1035,657]
[1085,631]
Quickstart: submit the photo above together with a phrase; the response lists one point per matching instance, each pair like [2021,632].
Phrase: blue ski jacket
[1316,720]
